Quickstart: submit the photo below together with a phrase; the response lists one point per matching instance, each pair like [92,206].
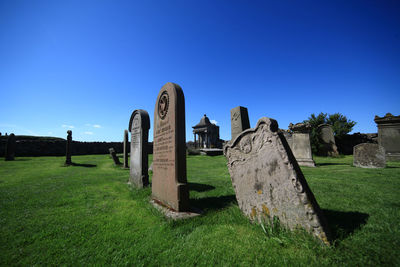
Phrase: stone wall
[346,143]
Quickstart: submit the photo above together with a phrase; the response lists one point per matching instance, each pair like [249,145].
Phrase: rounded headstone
[369,155]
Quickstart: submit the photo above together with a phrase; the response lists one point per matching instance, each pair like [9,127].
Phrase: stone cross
[10,147]
[126,148]
[113,155]
[301,145]
[269,183]
[369,155]
[389,135]
[327,141]
[169,185]
[68,148]
[139,125]
[239,121]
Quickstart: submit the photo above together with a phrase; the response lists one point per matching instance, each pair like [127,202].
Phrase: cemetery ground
[86,214]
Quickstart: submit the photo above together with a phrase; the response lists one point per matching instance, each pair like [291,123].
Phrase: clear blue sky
[86,65]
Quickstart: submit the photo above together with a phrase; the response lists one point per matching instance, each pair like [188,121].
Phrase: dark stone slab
[369,156]
[114,156]
[68,160]
[139,125]
[126,150]
[389,135]
[10,147]
[239,121]
[268,181]
[169,185]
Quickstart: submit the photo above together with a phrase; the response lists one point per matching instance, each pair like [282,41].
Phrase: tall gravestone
[239,121]
[269,183]
[369,155]
[389,135]
[126,149]
[68,160]
[327,141]
[169,185]
[114,156]
[301,145]
[139,125]
[10,147]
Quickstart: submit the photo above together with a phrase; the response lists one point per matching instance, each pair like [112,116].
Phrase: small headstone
[268,181]
[68,160]
[10,147]
[369,155]
[113,155]
[139,126]
[301,145]
[389,135]
[327,141]
[169,185]
[126,149]
[239,121]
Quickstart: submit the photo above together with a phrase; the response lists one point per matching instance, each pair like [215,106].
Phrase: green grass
[87,215]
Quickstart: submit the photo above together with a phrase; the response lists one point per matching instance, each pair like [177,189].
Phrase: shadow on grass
[328,163]
[342,223]
[200,187]
[83,165]
[213,203]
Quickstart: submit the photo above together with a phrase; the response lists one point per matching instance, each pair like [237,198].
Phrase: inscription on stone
[268,181]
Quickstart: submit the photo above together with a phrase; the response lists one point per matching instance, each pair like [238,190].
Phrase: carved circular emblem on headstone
[163,104]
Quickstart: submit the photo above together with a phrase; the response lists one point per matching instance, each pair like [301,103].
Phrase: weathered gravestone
[301,146]
[169,185]
[389,135]
[268,181]
[68,160]
[139,126]
[239,121]
[369,155]
[10,148]
[327,141]
[114,156]
[126,149]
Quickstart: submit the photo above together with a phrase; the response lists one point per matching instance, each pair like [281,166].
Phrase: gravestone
[301,145]
[126,149]
[114,156]
[268,181]
[327,141]
[139,125]
[169,185]
[10,147]
[239,121]
[68,160]
[389,135]
[369,155]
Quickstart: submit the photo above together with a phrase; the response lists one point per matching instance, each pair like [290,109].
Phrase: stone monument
[389,135]
[10,147]
[126,149]
[139,125]
[239,121]
[327,141]
[114,156]
[68,160]
[301,146]
[169,185]
[369,155]
[268,181]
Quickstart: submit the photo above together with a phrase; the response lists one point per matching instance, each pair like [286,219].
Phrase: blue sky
[87,65]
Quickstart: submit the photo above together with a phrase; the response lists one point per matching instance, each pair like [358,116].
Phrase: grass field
[87,215]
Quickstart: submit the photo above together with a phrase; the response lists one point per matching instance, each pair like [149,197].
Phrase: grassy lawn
[87,215]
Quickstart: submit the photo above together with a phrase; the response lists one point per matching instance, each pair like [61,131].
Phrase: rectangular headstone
[126,149]
[169,185]
[369,155]
[301,145]
[269,183]
[239,121]
[10,148]
[113,155]
[139,125]
[68,160]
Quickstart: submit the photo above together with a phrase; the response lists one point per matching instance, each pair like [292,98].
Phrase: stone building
[206,134]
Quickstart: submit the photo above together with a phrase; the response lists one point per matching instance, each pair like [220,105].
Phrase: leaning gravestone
[239,121]
[369,155]
[301,146]
[327,141]
[10,148]
[268,181]
[113,155]
[169,185]
[389,135]
[126,148]
[139,126]
[68,160]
